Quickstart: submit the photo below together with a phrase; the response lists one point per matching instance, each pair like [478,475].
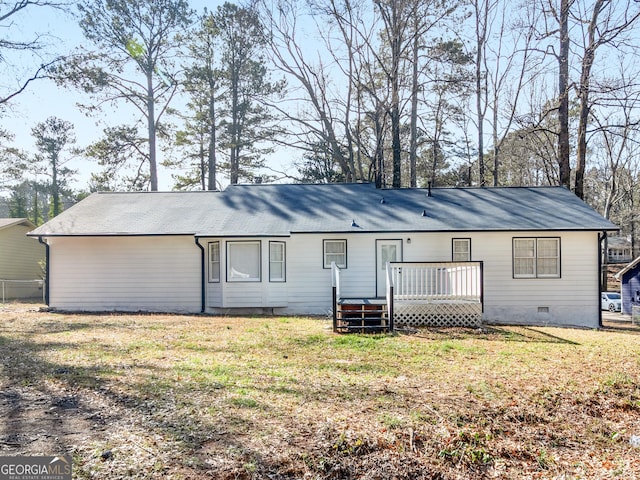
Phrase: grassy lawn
[161,396]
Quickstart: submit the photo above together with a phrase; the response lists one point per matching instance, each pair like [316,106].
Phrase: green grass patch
[195,397]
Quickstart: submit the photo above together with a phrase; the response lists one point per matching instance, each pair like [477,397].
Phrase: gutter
[202,279]
[46,269]
[601,238]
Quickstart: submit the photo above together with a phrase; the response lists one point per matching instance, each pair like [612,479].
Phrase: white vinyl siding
[571,299]
[20,259]
[214,262]
[19,254]
[164,274]
[335,251]
[155,273]
[277,262]
[243,261]
[536,257]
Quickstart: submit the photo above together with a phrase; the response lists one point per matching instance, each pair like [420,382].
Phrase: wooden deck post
[390,309]
[335,309]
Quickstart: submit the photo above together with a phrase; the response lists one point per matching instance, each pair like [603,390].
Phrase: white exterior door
[386,251]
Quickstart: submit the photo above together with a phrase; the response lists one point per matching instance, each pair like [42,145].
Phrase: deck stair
[362,315]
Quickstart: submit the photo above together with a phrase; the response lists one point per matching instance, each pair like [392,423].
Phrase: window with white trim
[277,262]
[461,249]
[214,261]
[335,251]
[536,257]
[243,261]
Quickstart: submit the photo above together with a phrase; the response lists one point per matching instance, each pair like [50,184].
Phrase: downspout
[46,270]
[601,238]
[202,279]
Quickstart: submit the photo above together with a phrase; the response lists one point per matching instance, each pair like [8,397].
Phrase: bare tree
[396,16]
[10,44]
[425,15]
[509,65]
[324,118]
[562,17]
[606,24]
[482,9]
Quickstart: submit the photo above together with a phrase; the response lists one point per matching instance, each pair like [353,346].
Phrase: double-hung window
[536,257]
[243,261]
[277,262]
[335,251]
[461,249]
[214,261]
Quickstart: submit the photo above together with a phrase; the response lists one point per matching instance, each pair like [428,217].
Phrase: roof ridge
[244,185]
[106,192]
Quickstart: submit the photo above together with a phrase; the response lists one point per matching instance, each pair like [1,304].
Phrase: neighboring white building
[20,260]
[270,249]
[619,250]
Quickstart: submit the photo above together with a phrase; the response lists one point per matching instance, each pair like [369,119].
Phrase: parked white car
[611,301]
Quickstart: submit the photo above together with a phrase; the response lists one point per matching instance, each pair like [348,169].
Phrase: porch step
[361,315]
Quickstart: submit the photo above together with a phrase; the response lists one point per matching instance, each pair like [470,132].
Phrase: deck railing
[335,288]
[426,293]
[437,294]
[390,292]
[435,281]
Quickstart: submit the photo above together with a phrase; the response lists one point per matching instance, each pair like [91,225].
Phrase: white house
[619,250]
[20,260]
[519,255]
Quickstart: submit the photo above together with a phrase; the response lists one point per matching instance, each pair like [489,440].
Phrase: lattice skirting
[437,314]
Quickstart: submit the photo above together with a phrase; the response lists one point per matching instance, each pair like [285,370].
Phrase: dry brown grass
[162,396]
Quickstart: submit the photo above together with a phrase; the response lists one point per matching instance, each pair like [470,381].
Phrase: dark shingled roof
[282,209]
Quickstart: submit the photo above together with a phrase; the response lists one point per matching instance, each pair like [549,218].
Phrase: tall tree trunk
[480,127]
[379,152]
[394,31]
[55,188]
[233,153]
[203,165]
[36,213]
[211,154]
[563,92]
[397,149]
[583,94]
[632,228]
[496,146]
[482,11]
[151,122]
[395,112]
[413,143]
